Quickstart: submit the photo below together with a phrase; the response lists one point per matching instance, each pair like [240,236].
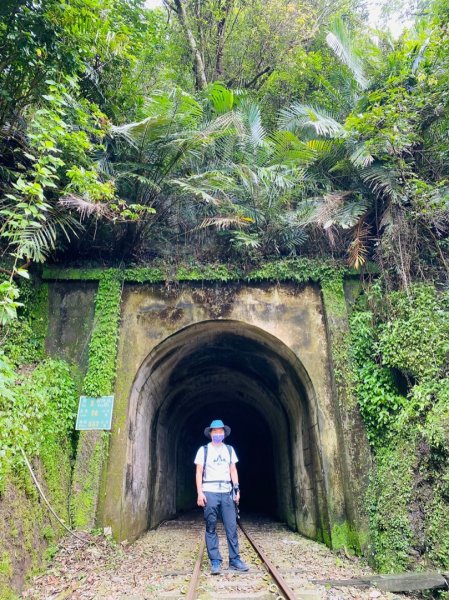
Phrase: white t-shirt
[217,467]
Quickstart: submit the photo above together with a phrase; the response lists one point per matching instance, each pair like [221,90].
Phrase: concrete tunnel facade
[255,355]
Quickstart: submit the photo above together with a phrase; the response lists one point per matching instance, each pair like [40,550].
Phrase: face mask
[217,438]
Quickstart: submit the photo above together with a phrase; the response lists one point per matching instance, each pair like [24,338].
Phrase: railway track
[263,581]
[283,566]
[262,568]
[170,563]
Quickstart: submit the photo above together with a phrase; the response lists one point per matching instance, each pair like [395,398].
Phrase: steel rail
[196,572]
[283,585]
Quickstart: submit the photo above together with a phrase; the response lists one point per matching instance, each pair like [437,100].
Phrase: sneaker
[238,565]
[215,568]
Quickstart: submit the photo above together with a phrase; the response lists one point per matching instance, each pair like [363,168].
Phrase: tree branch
[258,76]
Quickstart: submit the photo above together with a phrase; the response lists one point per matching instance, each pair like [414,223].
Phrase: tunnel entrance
[253,382]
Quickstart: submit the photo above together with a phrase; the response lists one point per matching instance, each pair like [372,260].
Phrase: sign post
[94,413]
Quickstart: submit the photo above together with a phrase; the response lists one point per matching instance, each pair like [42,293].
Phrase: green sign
[95,413]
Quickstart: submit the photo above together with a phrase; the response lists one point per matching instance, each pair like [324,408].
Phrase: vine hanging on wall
[99,381]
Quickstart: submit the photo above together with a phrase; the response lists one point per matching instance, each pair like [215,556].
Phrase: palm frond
[252,117]
[84,207]
[302,117]
[381,181]
[338,208]
[241,239]
[358,248]
[209,187]
[420,56]
[221,98]
[225,222]
[350,213]
[150,128]
[37,240]
[288,149]
[361,157]
[342,44]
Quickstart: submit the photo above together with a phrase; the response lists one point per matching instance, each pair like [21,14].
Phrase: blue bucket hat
[217,424]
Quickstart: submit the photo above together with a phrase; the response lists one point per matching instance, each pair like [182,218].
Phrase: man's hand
[201,500]
[237,497]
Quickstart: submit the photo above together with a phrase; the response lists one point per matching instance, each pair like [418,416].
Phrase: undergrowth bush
[34,411]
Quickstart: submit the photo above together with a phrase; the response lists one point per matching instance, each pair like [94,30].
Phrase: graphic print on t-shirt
[219,459]
[217,476]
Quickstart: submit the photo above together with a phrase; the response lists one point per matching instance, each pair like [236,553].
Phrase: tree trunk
[200,73]
[221,30]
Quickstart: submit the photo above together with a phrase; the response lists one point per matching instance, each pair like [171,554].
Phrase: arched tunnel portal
[237,372]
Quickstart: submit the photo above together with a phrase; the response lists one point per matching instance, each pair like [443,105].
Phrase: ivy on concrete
[100,376]
[299,270]
[93,446]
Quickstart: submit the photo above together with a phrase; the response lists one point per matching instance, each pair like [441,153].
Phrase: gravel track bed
[159,566]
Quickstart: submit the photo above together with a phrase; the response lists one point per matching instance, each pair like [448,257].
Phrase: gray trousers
[220,504]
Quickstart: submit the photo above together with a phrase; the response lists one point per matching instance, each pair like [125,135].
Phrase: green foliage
[391,530]
[377,395]
[299,270]
[408,429]
[30,217]
[39,410]
[93,446]
[207,273]
[24,339]
[418,327]
[100,376]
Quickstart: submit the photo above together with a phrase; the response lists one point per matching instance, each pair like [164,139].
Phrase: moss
[343,535]
[5,565]
[92,452]
[37,413]
[337,324]
[100,376]
[55,456]
[299,270]
[144,275]
[389,498]
[70,274]
[437,528]
[99,381]
[39,315]
[24,553]
[216,272]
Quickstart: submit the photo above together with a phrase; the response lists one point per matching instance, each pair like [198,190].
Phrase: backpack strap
[206,446]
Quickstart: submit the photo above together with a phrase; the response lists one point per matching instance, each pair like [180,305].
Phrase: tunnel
[229,370]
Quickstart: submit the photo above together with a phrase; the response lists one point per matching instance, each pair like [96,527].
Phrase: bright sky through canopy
[374,8]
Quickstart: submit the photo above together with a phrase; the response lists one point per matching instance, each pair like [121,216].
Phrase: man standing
[216,483]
